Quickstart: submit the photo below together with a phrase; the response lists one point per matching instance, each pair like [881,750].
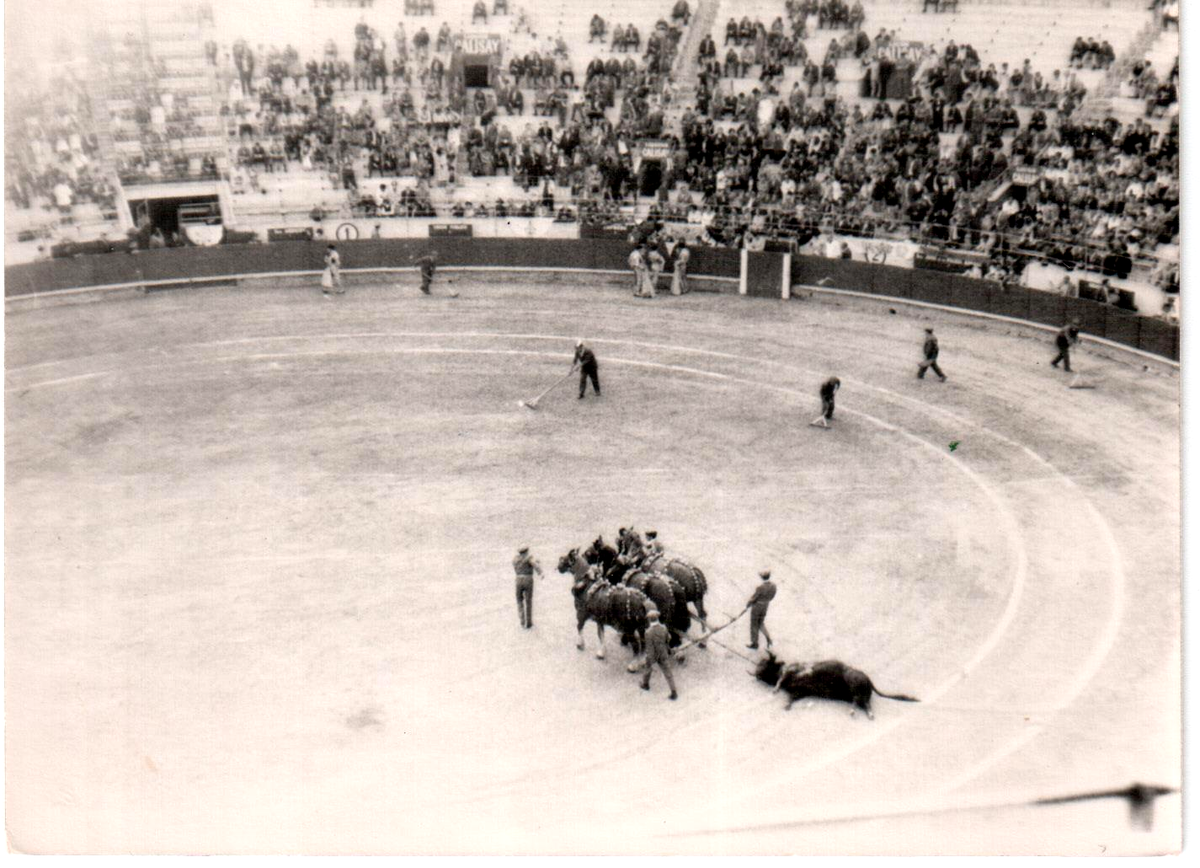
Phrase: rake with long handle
[532,405]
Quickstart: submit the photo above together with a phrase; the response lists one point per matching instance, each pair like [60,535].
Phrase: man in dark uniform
[931,354]
[828,389]
[585,359]
[658,651]
[758,604]
[524,565]
[1067,335]
[428,265]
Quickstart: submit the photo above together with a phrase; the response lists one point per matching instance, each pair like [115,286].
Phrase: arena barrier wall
[763,277]
[1017,302]
[195,263]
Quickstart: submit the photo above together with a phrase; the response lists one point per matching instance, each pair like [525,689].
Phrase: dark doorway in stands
[651,172]
[476,70]
[163,214]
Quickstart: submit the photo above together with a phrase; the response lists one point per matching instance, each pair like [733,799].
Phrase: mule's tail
[897,696]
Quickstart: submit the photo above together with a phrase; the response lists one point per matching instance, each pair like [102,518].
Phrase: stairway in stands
[1111,99]
[686,71]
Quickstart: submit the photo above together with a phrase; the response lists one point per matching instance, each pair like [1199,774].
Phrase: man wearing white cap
[525,565]
[658,651]
[585,359]
[758,604]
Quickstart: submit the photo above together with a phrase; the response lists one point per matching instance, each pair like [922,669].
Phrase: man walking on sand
[428,265]
[758,604]
[931,354]
[828,390]
[1067,337]
[658,653]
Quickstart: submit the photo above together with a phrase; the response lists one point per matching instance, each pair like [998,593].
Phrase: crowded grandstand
[927,132]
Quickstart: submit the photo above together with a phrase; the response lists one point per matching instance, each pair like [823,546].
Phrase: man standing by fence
[655,263]
[679,275]
[638,263]
[331,279]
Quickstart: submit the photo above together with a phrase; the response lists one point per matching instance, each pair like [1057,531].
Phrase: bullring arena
[260,538]
[258,546]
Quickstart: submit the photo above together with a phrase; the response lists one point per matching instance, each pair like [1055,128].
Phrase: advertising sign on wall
[478,43]
[450,230]
[655,149]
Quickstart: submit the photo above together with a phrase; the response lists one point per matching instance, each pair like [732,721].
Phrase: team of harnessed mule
[618,586]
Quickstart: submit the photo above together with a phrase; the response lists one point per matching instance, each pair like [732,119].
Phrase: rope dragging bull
[637,589]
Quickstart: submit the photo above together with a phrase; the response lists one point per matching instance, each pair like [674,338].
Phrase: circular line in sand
[1085,674]
[1011,531]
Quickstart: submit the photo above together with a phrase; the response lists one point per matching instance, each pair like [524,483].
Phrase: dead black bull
[829,679]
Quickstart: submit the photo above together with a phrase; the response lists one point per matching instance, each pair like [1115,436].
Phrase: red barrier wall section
[764,271]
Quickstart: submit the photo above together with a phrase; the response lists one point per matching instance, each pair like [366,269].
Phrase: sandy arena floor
[259,594]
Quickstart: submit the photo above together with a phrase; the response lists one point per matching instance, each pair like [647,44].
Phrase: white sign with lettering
[478,43]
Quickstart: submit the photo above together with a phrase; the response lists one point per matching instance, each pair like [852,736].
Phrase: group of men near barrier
[647,264]
[331,277]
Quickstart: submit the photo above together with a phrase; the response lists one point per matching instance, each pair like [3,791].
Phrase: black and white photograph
[626,428]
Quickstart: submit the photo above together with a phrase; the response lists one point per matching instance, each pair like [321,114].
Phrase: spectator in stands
[681,12]
[633,38]
[243,59]
[596,29]
[786,164]
[1109,292]
[63,196]
[1170,15]
[1090,54]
